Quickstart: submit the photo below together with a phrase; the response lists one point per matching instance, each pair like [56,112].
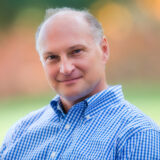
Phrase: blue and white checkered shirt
[102,127]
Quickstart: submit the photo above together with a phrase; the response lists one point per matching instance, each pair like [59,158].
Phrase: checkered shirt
[102,127]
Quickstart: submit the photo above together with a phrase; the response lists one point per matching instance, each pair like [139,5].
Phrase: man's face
[73,62]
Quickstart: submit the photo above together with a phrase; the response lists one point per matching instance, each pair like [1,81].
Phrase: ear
[105,49]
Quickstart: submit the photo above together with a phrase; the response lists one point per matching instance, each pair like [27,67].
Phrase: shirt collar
[103,99]
[55,104]
[110,96]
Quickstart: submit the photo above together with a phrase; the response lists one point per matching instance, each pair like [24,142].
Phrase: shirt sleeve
[144,145]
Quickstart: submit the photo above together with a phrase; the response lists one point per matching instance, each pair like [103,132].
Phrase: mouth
[69,81]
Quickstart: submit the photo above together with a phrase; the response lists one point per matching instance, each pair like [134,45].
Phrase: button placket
[88,117]
[53,154]
[67,126]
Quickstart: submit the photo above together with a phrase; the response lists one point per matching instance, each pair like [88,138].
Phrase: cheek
[95,67]
[83,66]
[50,71]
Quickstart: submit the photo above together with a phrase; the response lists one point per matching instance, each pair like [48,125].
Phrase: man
[87,119]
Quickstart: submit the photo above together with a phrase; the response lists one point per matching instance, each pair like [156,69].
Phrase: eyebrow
[68,49]
[46,54]
[76,46]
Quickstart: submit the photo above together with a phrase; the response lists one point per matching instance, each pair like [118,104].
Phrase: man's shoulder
[33,118]
[127,118]
[133,120]
[138,133]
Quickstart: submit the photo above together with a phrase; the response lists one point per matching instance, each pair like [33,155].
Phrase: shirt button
[88,117]
[53,154]
[67,126]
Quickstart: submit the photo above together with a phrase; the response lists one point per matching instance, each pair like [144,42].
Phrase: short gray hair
[96,27]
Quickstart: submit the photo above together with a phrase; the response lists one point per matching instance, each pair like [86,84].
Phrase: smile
[69,81]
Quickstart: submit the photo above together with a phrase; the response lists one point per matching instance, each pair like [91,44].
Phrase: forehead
[65,27]
[67,19]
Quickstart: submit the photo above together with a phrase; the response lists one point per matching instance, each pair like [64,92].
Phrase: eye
[51,58]
[76,51]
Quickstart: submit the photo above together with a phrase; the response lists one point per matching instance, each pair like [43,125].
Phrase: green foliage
[9,9]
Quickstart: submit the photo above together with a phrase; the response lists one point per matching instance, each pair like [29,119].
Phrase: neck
[67,103]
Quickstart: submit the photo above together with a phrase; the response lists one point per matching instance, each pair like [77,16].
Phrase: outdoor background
[133,31]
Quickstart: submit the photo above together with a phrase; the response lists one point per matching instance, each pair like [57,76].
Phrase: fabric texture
[102,127]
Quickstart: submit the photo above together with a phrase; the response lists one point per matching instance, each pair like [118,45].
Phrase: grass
[145,97]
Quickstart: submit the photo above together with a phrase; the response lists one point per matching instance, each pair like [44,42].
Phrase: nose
[66,66]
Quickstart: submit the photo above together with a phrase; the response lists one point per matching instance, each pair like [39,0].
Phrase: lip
[70,81]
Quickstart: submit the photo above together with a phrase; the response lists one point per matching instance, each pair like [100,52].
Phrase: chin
[71,97]
[75,96]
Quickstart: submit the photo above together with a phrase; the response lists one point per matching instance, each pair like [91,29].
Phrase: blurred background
[132,28]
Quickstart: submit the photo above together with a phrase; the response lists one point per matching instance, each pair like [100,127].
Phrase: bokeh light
[151,7]
[116,20]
